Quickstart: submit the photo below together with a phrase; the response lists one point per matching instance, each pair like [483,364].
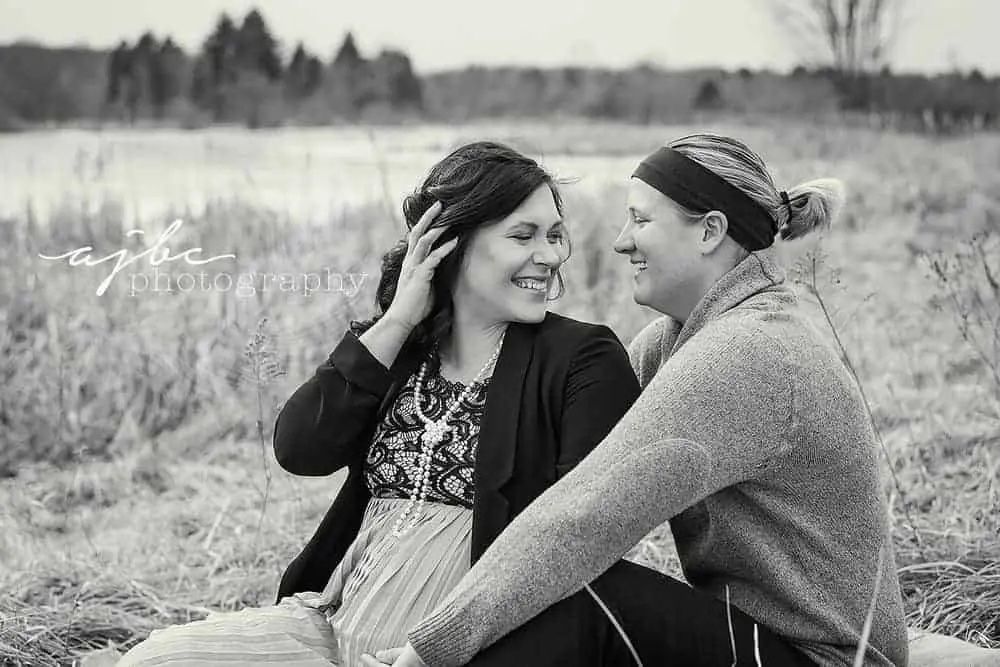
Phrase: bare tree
[854,36]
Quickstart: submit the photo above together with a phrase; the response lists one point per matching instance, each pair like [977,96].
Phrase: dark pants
[667,621]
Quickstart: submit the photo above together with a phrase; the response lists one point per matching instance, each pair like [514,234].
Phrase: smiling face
[665,250]
[510,265]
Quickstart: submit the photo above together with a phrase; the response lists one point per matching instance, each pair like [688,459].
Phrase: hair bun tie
[786,201]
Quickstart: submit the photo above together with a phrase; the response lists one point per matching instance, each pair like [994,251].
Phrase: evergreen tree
[119,64]
[304,73]
[219,52]
[167,74]
[216,68]
[140,93]
[708,96]
[347,55]
[256,48]
[350,85]
[395,81]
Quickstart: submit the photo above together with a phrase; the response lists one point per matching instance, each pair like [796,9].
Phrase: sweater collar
[755,273]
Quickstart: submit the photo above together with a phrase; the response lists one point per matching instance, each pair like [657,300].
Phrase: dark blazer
[558,388]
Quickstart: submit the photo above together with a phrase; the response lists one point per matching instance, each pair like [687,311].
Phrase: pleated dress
[384,585]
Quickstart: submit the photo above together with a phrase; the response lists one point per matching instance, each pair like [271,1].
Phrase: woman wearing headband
[452,410]
[750,437]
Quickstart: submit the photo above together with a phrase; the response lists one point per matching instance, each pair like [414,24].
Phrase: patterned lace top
[391,465]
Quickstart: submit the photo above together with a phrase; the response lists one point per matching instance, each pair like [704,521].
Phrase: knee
[154,648]
[166,644]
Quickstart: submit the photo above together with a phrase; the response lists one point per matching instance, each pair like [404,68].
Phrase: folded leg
[289,633]
[665,621]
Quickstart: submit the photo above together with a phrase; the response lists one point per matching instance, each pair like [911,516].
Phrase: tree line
[239,75]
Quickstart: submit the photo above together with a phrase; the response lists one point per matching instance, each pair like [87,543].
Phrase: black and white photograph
[520,334]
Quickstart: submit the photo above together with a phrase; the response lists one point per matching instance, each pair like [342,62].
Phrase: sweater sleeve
[712,416]
[651,347]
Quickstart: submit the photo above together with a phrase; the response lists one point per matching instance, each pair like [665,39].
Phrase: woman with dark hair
[453,409]
[750,436]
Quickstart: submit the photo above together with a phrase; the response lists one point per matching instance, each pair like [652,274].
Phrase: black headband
[693,186]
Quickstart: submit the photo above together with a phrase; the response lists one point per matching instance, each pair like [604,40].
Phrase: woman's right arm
[320,428]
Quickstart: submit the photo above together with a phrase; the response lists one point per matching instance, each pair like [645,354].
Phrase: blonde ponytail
[813,205]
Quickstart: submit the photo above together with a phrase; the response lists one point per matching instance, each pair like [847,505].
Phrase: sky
[934,35]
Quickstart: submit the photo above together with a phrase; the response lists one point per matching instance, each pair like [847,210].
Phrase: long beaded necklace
[434,433]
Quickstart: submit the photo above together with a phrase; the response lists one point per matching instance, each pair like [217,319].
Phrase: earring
[559,280]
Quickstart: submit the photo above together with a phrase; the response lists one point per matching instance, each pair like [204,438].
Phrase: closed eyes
[636,216]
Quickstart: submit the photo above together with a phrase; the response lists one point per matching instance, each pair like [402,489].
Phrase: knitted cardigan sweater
[751,438]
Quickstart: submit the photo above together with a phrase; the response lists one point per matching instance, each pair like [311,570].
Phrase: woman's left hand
[404,656]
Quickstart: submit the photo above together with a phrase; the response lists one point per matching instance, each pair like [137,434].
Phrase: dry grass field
[137,485]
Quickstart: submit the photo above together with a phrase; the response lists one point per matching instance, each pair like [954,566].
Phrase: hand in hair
[413,299]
